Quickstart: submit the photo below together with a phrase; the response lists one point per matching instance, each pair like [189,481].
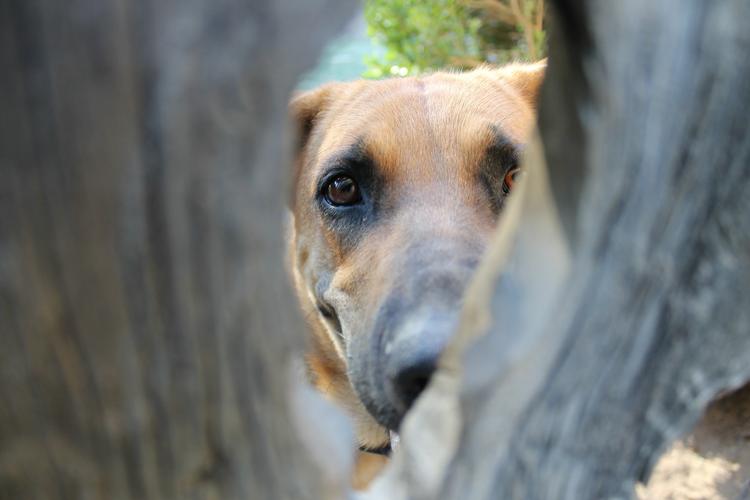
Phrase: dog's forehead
[453,116]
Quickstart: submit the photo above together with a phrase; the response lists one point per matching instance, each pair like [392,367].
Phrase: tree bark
[145,321]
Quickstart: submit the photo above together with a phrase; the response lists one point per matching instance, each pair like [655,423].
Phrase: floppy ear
[526,79]
[305,107]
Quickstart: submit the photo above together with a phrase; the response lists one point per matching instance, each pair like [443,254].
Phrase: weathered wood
[655,319]
[644,118]
[145,320]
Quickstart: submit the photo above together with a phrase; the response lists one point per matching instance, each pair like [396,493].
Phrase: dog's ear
[525,78]
[304,109]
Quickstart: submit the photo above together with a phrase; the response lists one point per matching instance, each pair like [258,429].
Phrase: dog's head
[398,186]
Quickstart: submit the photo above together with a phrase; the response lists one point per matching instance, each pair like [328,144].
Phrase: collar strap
[384,450]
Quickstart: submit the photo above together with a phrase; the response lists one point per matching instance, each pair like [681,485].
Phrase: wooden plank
[146,321]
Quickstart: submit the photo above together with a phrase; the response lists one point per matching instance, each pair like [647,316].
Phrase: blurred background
[407,37]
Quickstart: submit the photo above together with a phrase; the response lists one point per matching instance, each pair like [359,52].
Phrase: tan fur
[429,132]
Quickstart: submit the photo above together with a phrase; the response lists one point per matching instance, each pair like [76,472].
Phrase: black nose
[410,380]
[411,357]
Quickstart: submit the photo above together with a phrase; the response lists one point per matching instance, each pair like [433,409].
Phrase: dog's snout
[391,367]
[412,356]
[411,379]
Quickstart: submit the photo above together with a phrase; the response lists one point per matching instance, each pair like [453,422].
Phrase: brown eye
[342,190]
[511,178]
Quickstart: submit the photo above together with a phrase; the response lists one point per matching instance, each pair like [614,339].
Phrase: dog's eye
[511,178]
[342,190]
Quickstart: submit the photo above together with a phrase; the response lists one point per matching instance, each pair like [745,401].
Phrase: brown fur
[427,137]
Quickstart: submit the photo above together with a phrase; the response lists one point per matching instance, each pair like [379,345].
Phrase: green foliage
[419,35]
[423,35]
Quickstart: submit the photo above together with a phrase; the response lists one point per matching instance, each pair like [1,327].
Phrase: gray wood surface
[145,319]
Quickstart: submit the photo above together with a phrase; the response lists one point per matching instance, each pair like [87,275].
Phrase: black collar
[384,450]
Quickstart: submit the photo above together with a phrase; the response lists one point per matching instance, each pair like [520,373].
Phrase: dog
[397,188]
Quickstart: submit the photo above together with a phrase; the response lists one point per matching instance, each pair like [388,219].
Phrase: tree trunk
[145,320]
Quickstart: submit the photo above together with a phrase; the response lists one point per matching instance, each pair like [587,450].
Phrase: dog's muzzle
[393,362]
[401,357]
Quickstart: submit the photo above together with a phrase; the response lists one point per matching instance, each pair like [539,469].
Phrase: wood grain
[145,320]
